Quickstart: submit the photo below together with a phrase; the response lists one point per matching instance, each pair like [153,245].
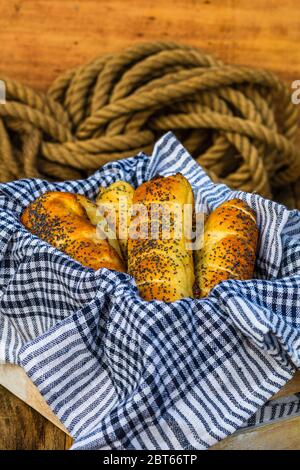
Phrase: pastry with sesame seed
[119,195]
[229,246]
[161,260]
[61,220]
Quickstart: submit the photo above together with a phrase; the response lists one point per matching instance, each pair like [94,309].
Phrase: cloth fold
[122,373]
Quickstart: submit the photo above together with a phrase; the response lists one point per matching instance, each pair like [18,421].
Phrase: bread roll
[100,222]
[119,195]
[61,220]
[229,246]
[162,267]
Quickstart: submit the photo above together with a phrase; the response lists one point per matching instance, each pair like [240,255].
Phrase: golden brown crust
[163,268]
[120,196]
[229,246]
[100,222]
[61,220]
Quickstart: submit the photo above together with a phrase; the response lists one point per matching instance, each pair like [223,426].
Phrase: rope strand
[238,123]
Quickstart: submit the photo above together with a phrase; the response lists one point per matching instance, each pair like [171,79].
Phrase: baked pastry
[162,266]
[229,246]
[60,219]
[119,196]
[104,230]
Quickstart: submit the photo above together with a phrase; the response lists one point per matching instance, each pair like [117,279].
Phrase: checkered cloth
[122,373]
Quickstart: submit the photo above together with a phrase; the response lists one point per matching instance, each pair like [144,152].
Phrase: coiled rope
[237,122]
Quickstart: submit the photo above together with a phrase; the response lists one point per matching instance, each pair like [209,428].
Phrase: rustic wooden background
[41,38]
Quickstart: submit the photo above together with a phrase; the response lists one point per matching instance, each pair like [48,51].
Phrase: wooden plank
[41,38]
[291,387]
[68,442]
[22,428]
[14,379]
[282,435]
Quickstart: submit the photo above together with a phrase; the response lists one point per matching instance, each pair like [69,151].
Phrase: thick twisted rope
[238,123]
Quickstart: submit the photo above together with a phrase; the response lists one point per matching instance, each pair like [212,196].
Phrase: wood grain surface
[23,428]
[282,435]
[15,380]
[42,38]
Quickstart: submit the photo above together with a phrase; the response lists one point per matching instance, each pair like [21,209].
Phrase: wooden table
[41,38]
[37,432]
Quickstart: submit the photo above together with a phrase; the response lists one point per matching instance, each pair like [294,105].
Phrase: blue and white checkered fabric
[122,373]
